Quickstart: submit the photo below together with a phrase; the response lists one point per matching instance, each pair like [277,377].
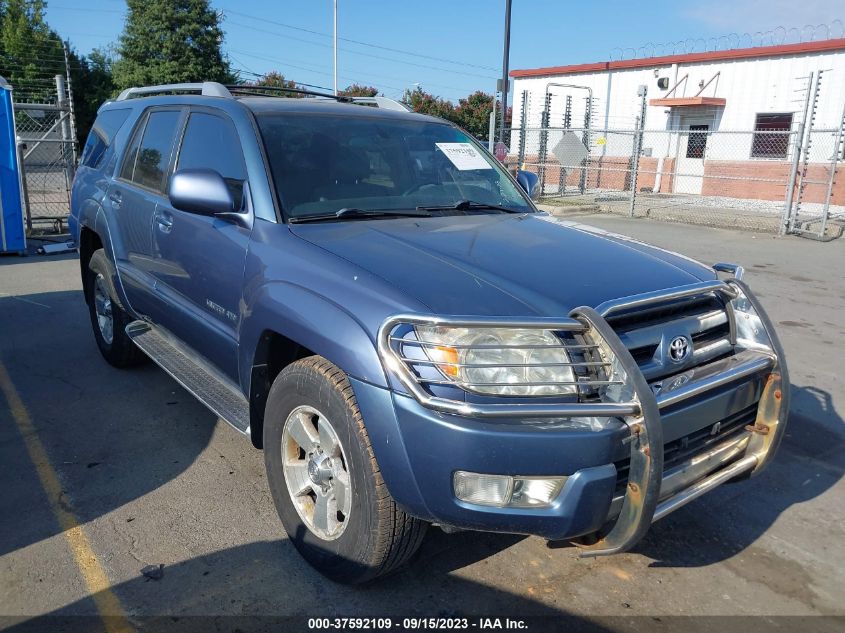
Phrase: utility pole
[505,59]
[335,46]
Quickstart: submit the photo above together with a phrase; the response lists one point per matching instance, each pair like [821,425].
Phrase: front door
[200,258]
[692,147]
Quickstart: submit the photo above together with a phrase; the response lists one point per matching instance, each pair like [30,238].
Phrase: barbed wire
[773,37]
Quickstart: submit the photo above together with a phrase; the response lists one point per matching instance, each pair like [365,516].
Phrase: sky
[449,47]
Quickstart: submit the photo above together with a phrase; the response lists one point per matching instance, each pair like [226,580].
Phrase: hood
[503,265]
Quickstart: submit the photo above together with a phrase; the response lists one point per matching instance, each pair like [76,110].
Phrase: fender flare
[313,321]
[100,263]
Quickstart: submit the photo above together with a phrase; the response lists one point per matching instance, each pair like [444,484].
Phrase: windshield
[324,163]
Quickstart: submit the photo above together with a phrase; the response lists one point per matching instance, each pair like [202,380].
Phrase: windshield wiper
[468,205]
[353,213]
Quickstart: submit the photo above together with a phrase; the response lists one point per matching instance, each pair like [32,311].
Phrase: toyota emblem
[679,349]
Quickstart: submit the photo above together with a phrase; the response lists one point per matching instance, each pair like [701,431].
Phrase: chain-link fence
[733,179]
[780,176]
[44,127]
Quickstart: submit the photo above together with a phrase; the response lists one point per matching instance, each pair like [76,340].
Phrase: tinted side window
[105,127]
[154,151]
[211,142]
[128,166]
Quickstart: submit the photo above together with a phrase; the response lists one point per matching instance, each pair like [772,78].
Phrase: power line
[313,70]
[60,7]
[352,70]
[298,83]
[359,42]
[265,20]
[354,52]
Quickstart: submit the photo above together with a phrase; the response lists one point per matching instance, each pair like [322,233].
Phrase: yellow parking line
[96,581]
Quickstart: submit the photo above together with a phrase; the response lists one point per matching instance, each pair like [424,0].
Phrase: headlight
[500,361]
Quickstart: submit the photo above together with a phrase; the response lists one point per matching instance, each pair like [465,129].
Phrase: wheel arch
[286,322]
[273,353]
[89,243]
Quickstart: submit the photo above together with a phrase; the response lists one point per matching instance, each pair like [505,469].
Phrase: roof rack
[205,88]
[261,91]
[386,103]
[380,102]
[214,89]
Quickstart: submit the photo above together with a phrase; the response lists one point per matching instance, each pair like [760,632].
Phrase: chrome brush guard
[650,494]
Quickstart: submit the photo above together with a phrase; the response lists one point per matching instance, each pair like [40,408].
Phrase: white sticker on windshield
[464,156]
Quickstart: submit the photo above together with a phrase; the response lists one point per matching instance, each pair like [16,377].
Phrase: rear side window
[102,133]
[147,161]
[211,142]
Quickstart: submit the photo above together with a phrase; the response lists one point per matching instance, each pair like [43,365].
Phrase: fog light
[506,491]
[486,490]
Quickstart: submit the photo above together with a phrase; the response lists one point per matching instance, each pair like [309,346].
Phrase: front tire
[108,318]
[325,481]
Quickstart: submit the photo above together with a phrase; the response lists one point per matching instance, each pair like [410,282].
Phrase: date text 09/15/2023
[417,623]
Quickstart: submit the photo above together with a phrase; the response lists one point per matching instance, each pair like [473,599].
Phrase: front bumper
[419,446]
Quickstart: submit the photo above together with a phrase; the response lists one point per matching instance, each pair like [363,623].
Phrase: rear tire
[108,319]
[366,535]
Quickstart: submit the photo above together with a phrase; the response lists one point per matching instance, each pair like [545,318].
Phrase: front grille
[697,442]
[703,320]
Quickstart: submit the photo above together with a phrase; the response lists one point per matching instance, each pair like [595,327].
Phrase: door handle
[116,199]
[164,221]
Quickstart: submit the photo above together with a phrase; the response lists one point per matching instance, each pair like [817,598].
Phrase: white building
[707,114]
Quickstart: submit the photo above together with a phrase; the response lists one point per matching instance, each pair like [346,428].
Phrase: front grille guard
[640,413]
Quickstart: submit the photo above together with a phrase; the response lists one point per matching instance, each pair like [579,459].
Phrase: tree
[170,41]
[358,90]
[30,53]
[473,113]
[92,83]
[426,103]
[275,79]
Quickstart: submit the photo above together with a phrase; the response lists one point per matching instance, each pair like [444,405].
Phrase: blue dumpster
[12,236]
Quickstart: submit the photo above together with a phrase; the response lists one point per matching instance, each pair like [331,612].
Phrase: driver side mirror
[201,191]
[529,181]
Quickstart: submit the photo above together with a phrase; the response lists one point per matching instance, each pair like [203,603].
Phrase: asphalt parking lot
[105,472]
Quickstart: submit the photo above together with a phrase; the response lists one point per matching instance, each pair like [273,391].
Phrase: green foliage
[30,53]
[92,83]
[170,41]
[471,113]
[163,41]
[358,90]
[426,103]
[275,79]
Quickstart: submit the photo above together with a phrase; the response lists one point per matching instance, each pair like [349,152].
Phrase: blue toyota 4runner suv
[370,297]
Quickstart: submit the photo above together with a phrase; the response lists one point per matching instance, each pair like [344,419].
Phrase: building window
[771,135]
[697,141]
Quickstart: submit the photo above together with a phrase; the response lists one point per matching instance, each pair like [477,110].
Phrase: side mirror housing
[529,181]
[201,191]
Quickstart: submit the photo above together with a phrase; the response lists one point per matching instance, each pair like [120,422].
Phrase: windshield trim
[282,213]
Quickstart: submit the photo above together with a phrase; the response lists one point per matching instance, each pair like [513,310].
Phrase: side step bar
[192,372]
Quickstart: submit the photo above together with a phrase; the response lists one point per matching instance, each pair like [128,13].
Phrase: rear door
[133,197]
[200,258]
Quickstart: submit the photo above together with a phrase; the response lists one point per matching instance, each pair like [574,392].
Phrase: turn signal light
[448,356]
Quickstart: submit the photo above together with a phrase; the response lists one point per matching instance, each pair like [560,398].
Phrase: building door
[692,147]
